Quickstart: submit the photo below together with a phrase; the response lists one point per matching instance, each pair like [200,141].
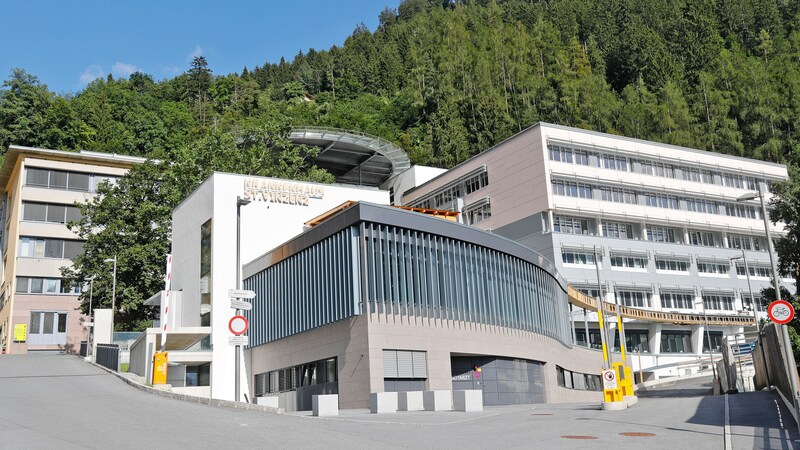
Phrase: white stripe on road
[728,444]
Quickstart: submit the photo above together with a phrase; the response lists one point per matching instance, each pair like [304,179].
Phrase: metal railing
[108,356]
[582,300]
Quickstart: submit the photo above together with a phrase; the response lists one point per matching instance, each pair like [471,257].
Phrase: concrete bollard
[437,400]
[410,401]
[383,402]
[468,400]
[325,405]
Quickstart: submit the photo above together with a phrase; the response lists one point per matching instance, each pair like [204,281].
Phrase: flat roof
[15,152]
[353,157]
[599,134]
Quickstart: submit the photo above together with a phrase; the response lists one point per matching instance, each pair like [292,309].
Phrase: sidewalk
[760,420]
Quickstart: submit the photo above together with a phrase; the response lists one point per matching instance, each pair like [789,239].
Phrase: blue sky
[69,43]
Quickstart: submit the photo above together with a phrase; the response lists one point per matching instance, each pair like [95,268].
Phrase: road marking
[728,444]
[780,418]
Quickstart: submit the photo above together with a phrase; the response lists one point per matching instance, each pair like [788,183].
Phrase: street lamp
[749,287]
[113,293]
[237,365]
[788,357]
[708,338]
[91,319]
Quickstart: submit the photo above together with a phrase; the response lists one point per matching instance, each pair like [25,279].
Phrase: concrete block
[383,402]
[410,401]
[325,405]
[614,406]
[437,400]
[271,401]
[468,400]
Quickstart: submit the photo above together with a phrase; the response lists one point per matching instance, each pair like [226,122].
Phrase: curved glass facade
[380,268]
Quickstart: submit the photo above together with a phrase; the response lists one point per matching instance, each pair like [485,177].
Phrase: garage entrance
[504,381]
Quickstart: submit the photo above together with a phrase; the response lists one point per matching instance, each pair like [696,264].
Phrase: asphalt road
[59,401]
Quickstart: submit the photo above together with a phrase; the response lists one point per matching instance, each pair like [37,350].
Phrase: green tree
[24,106]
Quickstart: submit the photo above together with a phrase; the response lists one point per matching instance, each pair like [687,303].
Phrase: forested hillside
[442,79]
[447,79]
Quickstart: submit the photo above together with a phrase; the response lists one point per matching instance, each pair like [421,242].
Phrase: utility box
[160,364]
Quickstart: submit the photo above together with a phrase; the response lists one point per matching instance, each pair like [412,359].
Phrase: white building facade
[204,270]
[665,221]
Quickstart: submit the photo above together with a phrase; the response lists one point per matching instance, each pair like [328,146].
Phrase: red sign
[238,325]
[781,312]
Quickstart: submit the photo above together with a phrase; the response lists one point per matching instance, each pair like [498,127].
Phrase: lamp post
[786,344]
[89,352]
[708,338]
[749,287]
[237,364]
[113,294]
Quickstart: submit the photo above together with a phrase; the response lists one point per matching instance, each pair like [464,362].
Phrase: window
[704,206]
[595,341]
[59,179]
[577,257]
[755,270]
[631,262]
[701,238]
[561,154]
[205,274]
[405,364]
[722,268]
[719,302]
[740,241]
[635,341]
[52,286]
[697,175]
[660,234]
[716,341]
[635,299]
[477,213]
[572,189]
[620,230]
[660,200]
[46,212]
[570,225]
[199,375]
[613,162]
[676,342]
[290,378]
[744,211]
[618,195]
[33,247]
[677,300]
[476,182]
[674,265]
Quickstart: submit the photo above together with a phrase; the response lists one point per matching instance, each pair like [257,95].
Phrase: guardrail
[582,300]
[108,356]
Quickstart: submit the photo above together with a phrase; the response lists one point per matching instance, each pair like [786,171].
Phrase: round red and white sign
[238,325]
[781,312]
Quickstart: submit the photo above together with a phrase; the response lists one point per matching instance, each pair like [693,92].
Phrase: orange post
[160,368]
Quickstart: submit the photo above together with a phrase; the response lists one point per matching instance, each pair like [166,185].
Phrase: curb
[228,404]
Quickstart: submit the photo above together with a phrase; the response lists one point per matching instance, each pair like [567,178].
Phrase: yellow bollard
[160,368]
[625,377]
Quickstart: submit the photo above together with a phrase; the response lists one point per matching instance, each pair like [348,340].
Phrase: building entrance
[504,381]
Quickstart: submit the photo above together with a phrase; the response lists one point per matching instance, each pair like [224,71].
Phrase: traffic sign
[240,304]
[609,379]
[238,325]
[241,293]
[239,340]
[781,312]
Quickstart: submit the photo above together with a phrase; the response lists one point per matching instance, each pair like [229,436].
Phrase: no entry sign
[238,325]
[781,312]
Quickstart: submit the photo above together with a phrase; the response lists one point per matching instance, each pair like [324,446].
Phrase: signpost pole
[237,370]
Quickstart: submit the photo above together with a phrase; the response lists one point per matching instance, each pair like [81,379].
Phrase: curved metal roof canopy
[352,157]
